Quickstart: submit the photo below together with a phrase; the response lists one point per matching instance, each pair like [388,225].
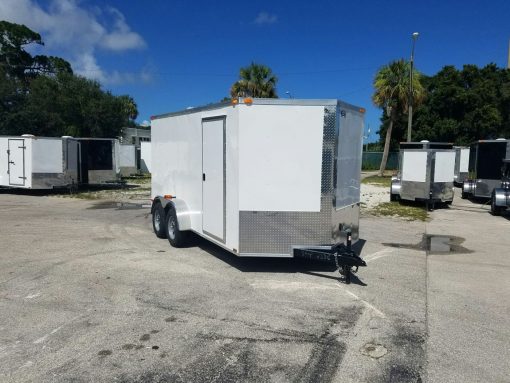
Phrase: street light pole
[410,119]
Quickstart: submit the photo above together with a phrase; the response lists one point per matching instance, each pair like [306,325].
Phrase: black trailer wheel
[176,237]
[495,210]
[159,221]
[393,197]
[464,195]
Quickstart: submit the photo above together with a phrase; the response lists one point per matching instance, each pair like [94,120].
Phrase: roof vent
[424,141]
[500,139]
[27,135]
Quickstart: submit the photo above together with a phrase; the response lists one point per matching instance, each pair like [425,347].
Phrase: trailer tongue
[344,257]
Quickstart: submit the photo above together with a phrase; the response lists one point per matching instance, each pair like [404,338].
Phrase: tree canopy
[41,95]
[461,106]
[255,80]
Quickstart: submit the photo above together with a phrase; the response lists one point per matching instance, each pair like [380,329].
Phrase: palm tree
[255,80]
[391,85]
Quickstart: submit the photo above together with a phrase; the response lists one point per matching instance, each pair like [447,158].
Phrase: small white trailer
[461,165]
[145,156]
[30,162]
[127,159]
[426,172]
[261,177]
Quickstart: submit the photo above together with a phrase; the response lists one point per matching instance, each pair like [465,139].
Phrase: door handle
[12,162]
[203,176]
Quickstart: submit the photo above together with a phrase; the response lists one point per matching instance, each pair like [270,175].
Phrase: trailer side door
[16,161]
[213,177]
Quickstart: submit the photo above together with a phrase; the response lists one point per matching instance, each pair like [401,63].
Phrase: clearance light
[248,100]
[362,110]
[235,101]
[168,196]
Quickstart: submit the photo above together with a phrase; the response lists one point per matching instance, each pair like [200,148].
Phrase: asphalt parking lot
[89,294]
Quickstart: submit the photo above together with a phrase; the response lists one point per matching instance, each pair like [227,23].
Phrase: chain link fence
[372,161]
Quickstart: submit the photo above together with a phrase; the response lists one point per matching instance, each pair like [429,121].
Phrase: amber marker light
[235,101]
[168,196]
[248,100]
[362,110]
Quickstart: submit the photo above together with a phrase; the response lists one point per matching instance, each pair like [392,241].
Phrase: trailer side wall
[177,166]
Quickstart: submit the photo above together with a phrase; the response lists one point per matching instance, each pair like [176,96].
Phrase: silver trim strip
[262,101]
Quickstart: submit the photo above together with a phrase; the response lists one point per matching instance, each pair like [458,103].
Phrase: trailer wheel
[176,237]
[495,210]
[393,197]
[159,221]
[464,195]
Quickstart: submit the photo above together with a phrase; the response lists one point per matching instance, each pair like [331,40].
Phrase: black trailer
[485,162]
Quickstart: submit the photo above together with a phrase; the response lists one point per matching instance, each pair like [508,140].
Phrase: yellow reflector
[235,101]
[248,100]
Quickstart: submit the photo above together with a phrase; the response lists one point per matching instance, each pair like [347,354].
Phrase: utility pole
[410,119]
[508,62]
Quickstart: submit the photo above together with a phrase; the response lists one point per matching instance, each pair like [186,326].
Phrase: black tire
[393,197]
[176,237]
[159,221]
[464,195]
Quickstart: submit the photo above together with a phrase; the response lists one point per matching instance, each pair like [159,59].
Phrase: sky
[173,54]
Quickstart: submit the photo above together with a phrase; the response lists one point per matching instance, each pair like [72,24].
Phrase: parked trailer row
[31,162]
[261,177]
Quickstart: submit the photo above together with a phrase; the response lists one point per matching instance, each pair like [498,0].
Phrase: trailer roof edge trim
[264,101]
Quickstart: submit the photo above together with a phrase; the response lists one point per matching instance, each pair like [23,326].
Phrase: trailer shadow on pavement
[67,191]
[275,265]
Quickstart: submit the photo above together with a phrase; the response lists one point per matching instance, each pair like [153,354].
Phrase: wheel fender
[501,197]
[468,186]
[182,211]
[395,186]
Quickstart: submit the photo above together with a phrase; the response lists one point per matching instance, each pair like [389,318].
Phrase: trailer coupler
[341,255]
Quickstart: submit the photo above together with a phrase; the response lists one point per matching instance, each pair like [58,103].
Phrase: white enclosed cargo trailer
[127,159]
[145,156]
[461,164]
[260,177]
[30,162]
[426,172]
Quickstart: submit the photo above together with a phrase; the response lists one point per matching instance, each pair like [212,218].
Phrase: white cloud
[265,18]
[77,33]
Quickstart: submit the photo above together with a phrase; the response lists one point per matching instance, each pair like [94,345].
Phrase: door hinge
[22,147]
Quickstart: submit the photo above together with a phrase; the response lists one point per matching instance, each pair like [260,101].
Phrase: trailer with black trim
[261,178]
[485,163]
